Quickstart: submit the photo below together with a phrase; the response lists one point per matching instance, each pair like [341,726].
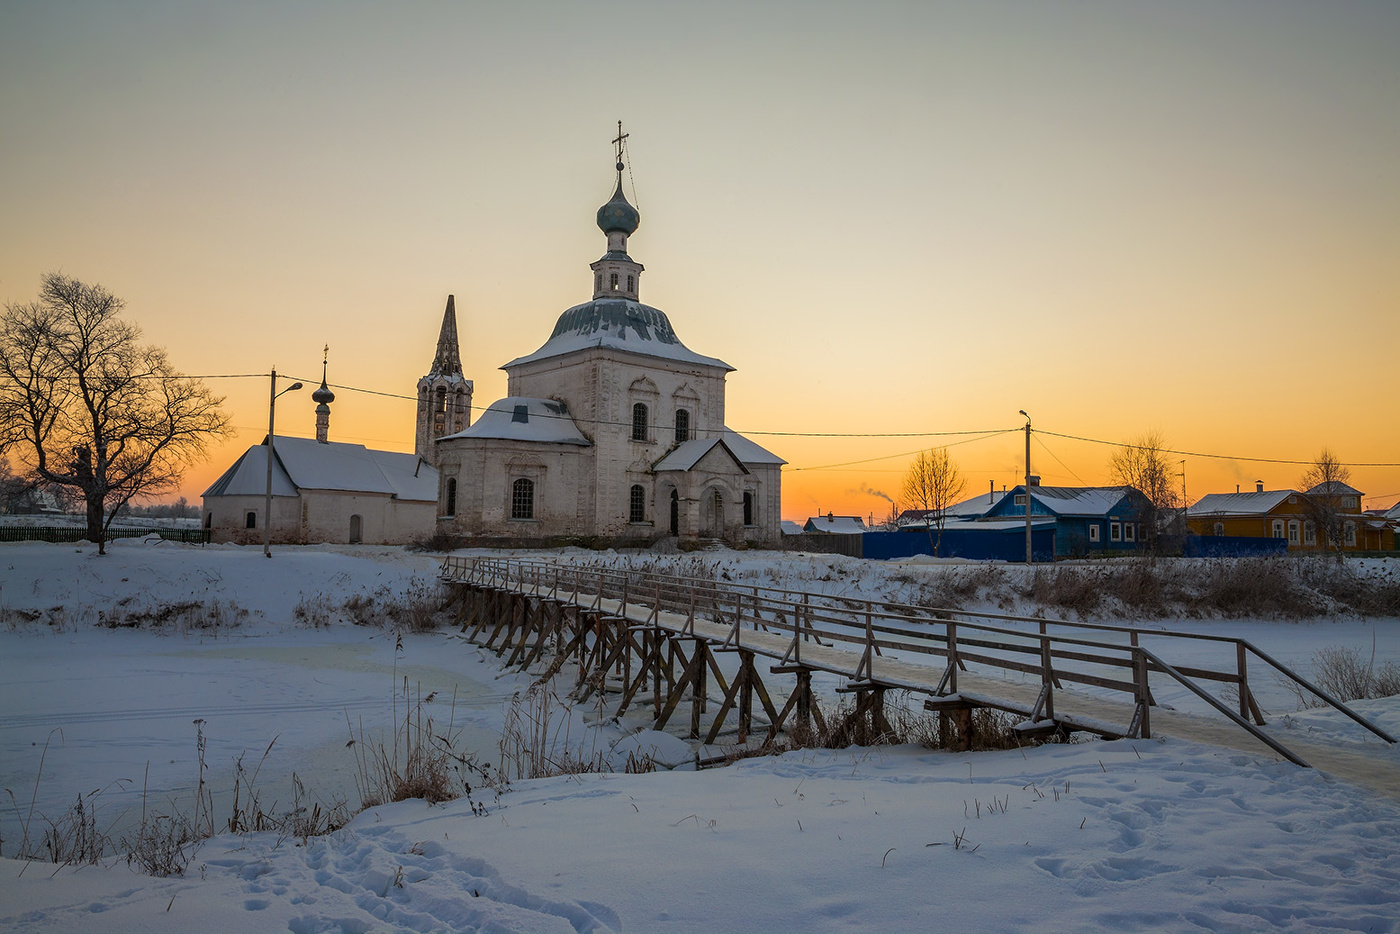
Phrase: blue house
[1091,520]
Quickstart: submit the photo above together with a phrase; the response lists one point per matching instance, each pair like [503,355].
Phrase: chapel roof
[308,464]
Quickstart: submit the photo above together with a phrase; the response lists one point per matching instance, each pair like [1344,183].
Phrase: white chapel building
[613,430]
[323,491]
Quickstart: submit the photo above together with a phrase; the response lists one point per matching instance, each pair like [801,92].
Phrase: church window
[638,505]
[598,282]
[522,499]
[630,286]
[613,281]
[682,426]
[748,509]
[209,521]
[441,405]
[250,521]
[639,422]
[451,497]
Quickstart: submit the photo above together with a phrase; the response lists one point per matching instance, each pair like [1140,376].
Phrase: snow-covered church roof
[307,464]
[617,324]
[520,418]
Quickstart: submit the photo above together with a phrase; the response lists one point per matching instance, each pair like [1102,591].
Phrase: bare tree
[90,408]
[932,484]
[1325,484]
[1144,465]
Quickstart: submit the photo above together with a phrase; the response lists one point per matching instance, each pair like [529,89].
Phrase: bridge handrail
[863,613]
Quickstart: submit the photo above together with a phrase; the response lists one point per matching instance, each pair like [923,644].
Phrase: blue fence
[973,544]
[1232,546]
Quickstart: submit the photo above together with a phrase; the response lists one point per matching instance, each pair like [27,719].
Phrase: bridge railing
[1052,651]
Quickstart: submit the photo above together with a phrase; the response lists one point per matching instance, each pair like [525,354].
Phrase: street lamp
[271,421]
[1029,558]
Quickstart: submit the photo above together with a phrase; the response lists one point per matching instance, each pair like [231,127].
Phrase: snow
[1161,834]
[304,463]
[520,418]
[1238,504]
[617,324]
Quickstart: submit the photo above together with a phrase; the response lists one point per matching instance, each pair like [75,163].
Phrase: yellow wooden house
[1287,514]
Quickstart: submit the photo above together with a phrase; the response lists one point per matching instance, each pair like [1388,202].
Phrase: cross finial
[325,354]
[617,144]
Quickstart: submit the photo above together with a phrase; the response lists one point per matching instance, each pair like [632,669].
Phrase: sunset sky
[894,219]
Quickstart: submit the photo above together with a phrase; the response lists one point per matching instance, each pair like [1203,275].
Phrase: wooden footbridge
[641,637]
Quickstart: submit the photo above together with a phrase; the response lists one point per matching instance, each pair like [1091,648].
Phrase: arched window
[639,422]
[682,426]
[355,536]
[451,497]
[441,404]
[675,513]
[612,281]
[522,499]
[251,520]
[638,505]
[629,283]
[748,509]
[598,282]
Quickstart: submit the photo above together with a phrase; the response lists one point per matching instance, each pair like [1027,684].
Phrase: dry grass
[1347,674]
[420,760]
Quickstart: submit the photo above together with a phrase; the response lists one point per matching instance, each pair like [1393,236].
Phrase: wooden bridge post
[1140,693]
[1247,703]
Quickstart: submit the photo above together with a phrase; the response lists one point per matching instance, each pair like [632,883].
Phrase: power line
[988,433]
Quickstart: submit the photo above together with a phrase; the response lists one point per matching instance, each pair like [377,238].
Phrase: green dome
[618,214]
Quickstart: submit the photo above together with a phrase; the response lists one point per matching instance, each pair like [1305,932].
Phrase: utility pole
[1029,557]
[271,429]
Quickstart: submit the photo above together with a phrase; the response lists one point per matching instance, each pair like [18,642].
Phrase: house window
[638,510]
[451,497]
[1129,532]
[1278,528]
[1293,532]
[522,499]
[682,426]
[612,281]
[1019,499]
[1093,531]
[748,509]
[1219,530]
[1292,499]
[1115,531]
[1348,502]
[250,521]
[1309,533]
[1351,534]
[639,422]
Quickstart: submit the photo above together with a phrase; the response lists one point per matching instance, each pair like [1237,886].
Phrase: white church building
[613,430]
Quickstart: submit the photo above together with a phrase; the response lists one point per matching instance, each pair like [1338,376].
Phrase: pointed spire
[447,361]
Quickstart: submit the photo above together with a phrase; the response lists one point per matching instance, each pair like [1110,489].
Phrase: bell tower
[444,395]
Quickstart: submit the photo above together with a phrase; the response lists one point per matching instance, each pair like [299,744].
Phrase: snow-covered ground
[1158,834]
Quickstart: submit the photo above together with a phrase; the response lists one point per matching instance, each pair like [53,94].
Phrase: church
[612,431]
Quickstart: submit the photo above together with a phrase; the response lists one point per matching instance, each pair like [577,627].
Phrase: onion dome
[618,214]
[323,396]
